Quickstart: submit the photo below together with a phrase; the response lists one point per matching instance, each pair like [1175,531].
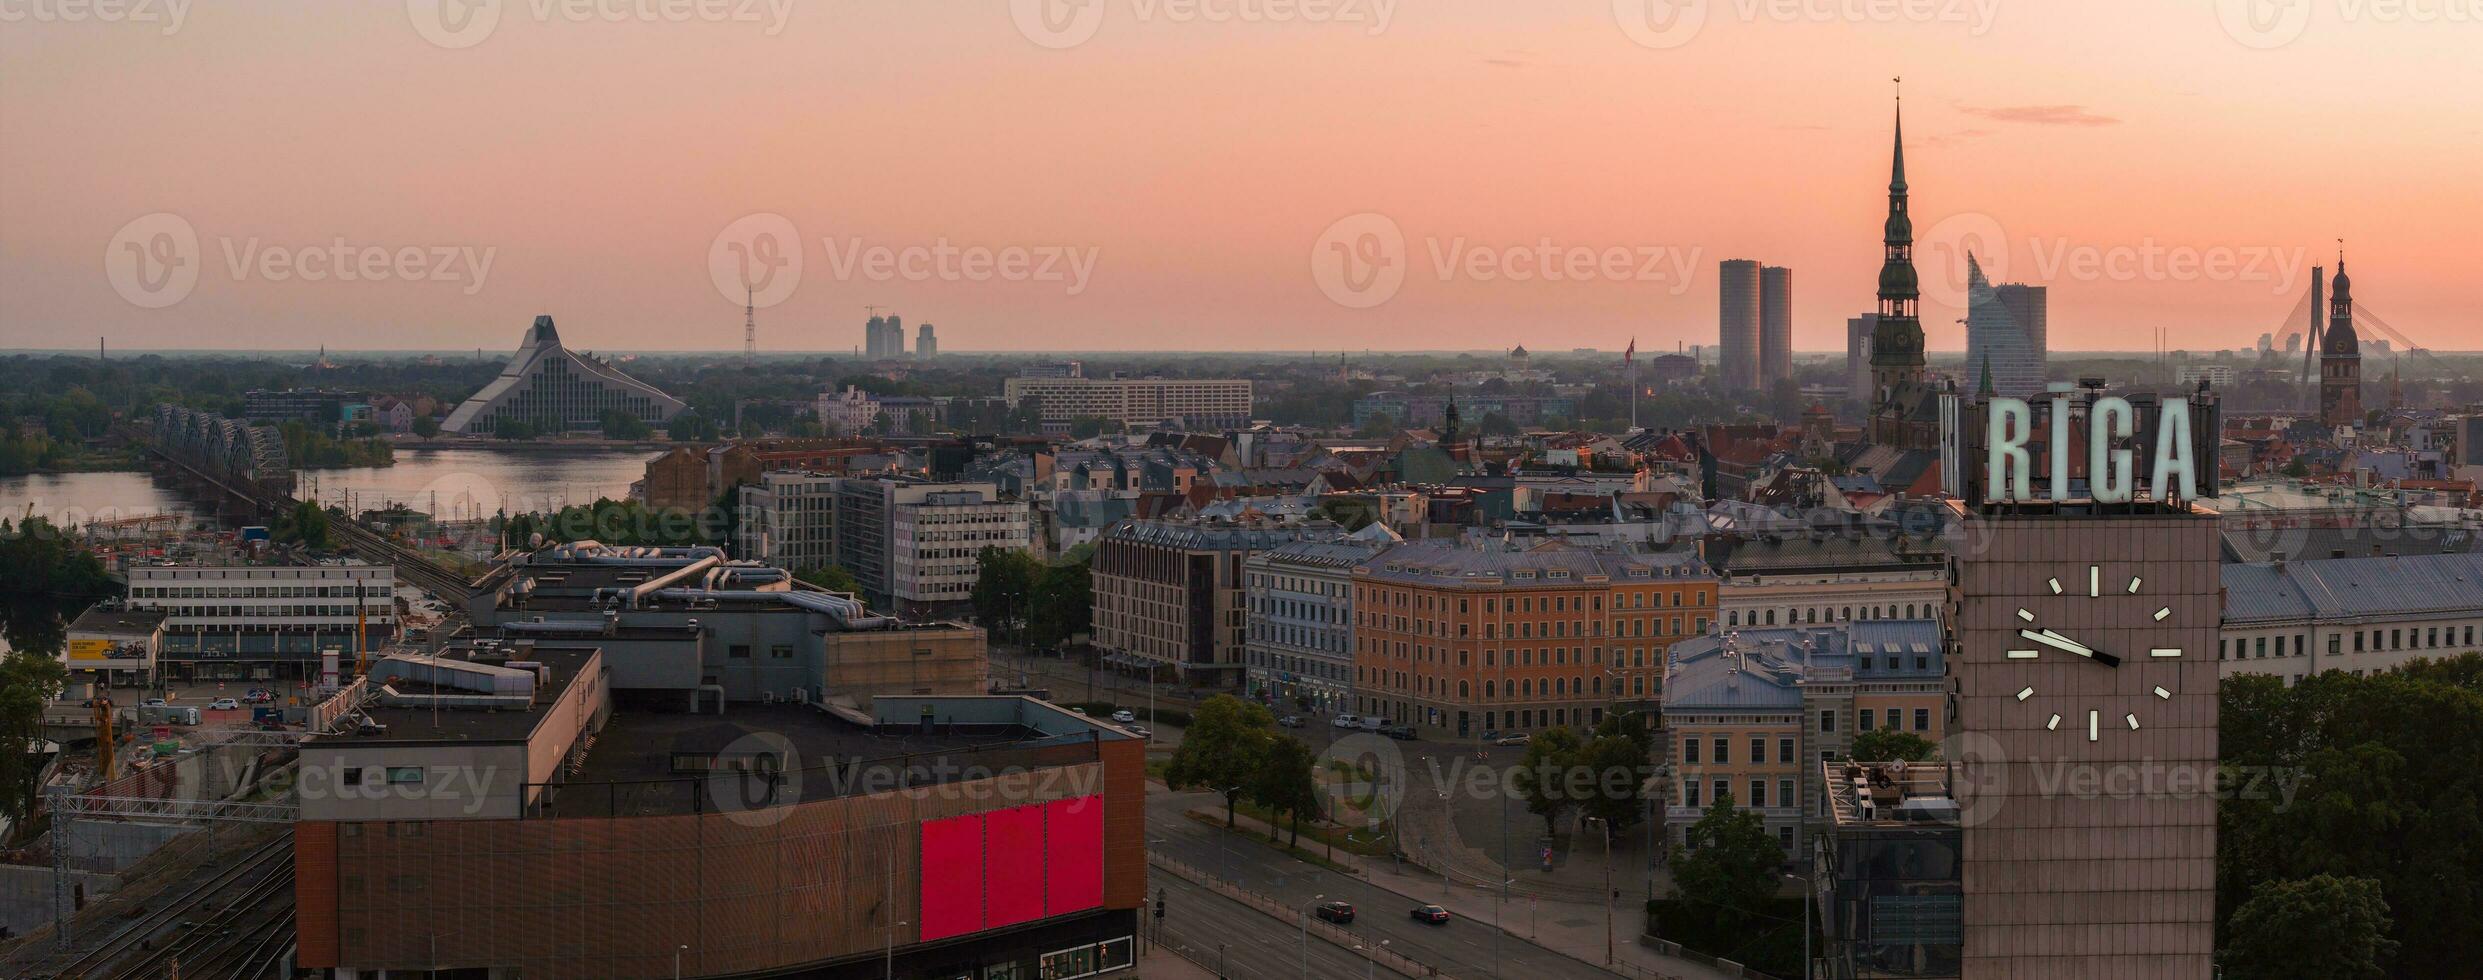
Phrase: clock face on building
[2053,632]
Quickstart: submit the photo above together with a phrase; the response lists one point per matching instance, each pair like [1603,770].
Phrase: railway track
[262,874]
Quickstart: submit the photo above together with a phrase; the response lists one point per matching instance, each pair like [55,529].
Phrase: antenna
[749,326]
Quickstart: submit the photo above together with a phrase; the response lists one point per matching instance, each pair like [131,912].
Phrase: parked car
[154,703]
[1141,731]
[1402,733]
[224,704]
[1346,721]
[1337,912]
[1124,716]
[1374,723]
[259,697]
[1432,914]
[1517,739]
[1290,721]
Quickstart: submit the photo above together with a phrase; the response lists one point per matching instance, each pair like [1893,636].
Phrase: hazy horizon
[1136,174]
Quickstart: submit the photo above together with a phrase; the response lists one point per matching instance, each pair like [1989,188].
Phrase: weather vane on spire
[1900,80]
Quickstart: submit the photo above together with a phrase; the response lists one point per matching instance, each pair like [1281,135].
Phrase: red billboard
[952,877]
[989,870]
[1075,849]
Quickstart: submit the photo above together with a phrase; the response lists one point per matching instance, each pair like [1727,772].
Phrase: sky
[1215,174]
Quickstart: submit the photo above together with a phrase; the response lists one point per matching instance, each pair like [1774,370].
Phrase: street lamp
[676,960]
[1370,962]
[1306,933]
[1806,922]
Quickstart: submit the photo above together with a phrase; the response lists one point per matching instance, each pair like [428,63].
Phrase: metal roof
[1764,669]
[2350,588]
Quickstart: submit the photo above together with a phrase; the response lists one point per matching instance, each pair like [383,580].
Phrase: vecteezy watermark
[759,260]
[457,24]
[155,260]
[166,15]
[1665,24]
[1060,24]
[2267,24]
[1360,261]
[1948,253]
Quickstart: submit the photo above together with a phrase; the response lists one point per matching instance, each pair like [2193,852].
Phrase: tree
[1543,777]
[27,680]
[2322,926]
[1222,749]
[512,428]
[1727,864]
[426,426]
[1086,427]
[834,578]
[1063,603]
[1617,769]
[1378,425]
[624,425]
[1496,424]
[1286,782]
[1890,745]
[690,427]
[306,525]
[1001,586]
[2298,469]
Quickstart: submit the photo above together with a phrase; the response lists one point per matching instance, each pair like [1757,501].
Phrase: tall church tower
[1897,372]
[2340,357]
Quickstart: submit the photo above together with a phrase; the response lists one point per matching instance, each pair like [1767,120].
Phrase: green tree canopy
[1222,749]
[1727,863]
[834,578]
[1063,604]
[1002,586]
[1286,782]
[2323,926]
[1890,745]
[1544,779]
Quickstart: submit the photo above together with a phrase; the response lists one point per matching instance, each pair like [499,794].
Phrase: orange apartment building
[1461,638]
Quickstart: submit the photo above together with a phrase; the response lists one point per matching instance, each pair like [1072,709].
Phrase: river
[463,482]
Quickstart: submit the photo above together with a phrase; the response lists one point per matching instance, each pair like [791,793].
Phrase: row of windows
[1428,602]
[2417,638]
[1758,797]
[372,590]
[1840,614]
[1724,750]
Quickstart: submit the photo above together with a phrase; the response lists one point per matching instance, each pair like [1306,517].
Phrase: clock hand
[2055,640]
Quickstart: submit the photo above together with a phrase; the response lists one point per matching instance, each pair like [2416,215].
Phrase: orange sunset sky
[1173,172]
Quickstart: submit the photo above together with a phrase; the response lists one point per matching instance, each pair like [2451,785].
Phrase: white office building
[936,536]
[263,622]
[1194,403]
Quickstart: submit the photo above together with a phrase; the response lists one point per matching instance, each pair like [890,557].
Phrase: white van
[1347,721]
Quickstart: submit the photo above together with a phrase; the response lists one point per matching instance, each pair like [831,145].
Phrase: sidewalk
[1573,929]
[1163,964]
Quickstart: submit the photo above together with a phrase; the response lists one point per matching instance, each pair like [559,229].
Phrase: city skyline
[1173,179]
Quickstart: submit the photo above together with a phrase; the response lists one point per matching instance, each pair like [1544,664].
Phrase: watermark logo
[1359,261]
[458,24]
[1660,24]
[757,259]
[153,261]
[169,15]
[1058,24]
[454,24]
[1362,261]
[1363,778]
[1063,24]
[1667,24]
[2264,24]
[1941,256]
[755,779]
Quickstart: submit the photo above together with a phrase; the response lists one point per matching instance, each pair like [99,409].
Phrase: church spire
[1896,171]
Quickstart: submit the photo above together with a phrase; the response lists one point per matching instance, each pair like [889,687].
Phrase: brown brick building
[1459,638]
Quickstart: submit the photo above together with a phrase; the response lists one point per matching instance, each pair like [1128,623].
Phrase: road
[1460,948]
[1241,942]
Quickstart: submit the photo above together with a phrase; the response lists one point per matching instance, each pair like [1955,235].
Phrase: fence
[1326,931]
[1670,948]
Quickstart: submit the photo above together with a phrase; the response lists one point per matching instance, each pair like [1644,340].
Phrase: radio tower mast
[749,326]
